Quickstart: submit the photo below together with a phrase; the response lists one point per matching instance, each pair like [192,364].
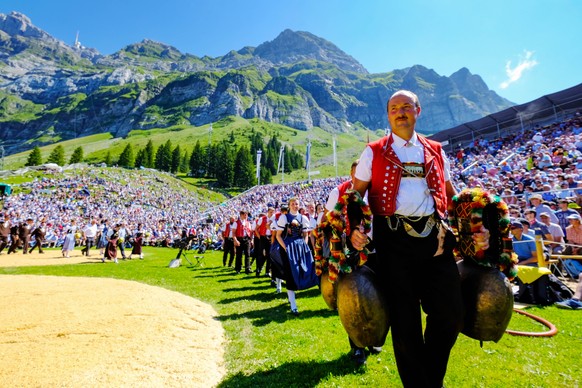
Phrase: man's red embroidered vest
[342,188]
[226,233]
[243,230]
[263,226]
[386,176]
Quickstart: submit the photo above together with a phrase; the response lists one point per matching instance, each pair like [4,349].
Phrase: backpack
[573,268]
[546,290]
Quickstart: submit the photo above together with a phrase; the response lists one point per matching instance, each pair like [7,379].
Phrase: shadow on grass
[255,287]
[295,374]
[265,293]
[279,313]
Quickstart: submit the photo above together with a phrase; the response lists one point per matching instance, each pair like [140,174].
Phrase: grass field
[268,347]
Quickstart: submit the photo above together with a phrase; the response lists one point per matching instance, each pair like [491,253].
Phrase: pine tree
[213,169]
[126,158]
[57,156]
[140,158]
[266,177]
[297,159]
[108,160]
[288,162]
[77,156]
[256,143]
[164,157]
[197,165]
[184,163]
[224,162]
[175,161]
[150,154]
[271,161]
[244,174]
[34,158]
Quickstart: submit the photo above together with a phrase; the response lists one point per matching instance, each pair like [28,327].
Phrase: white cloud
[514,74]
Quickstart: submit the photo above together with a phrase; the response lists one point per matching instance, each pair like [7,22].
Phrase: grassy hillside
[95,147]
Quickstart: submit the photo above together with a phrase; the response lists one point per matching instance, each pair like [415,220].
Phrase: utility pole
[208,152]
[335,155]
[259,152]
[308,159]
[281,165]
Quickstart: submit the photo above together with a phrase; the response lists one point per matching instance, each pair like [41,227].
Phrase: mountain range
[51,91]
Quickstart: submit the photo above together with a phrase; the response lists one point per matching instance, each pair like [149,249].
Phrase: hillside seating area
[545,161]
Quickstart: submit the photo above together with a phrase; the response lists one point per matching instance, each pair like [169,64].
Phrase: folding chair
[554,264]
[199,259]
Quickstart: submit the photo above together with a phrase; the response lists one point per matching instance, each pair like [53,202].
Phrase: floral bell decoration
[486,262]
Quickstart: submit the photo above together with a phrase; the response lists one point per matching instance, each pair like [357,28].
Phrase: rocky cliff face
[50,91]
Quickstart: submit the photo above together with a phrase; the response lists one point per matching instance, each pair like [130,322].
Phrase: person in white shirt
[408,181]
[90,232]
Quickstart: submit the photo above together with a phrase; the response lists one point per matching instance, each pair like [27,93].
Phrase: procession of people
[408,182]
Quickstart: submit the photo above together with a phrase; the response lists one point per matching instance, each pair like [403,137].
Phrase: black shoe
[295,312]
[359,356]
[375,349]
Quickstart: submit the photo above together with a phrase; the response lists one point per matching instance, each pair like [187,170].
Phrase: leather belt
[429,223]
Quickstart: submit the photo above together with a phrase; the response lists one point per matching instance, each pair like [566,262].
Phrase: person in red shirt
[228,233]
[263,232]
[243,242]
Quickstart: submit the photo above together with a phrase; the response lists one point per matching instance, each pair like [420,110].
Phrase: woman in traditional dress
[102,237]
[137,242]
[69,242]
[111,249]
[297,260]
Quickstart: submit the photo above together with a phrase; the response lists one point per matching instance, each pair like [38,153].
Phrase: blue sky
[522,49]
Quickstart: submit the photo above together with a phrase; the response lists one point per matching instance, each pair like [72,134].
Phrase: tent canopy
[5,189]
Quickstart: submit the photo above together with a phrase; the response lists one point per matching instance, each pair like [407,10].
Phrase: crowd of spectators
[541,162]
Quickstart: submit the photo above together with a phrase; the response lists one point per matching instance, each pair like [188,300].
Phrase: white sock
[292,302]
[278,284]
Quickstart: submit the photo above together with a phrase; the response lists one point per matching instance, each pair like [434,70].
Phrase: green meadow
[268,347]
[95,147]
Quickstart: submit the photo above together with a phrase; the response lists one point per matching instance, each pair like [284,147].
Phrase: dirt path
[89,332]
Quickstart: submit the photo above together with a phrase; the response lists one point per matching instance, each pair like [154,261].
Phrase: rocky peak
[463,77]
[291,46]
[16,23]
[153,49]
[19,35]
